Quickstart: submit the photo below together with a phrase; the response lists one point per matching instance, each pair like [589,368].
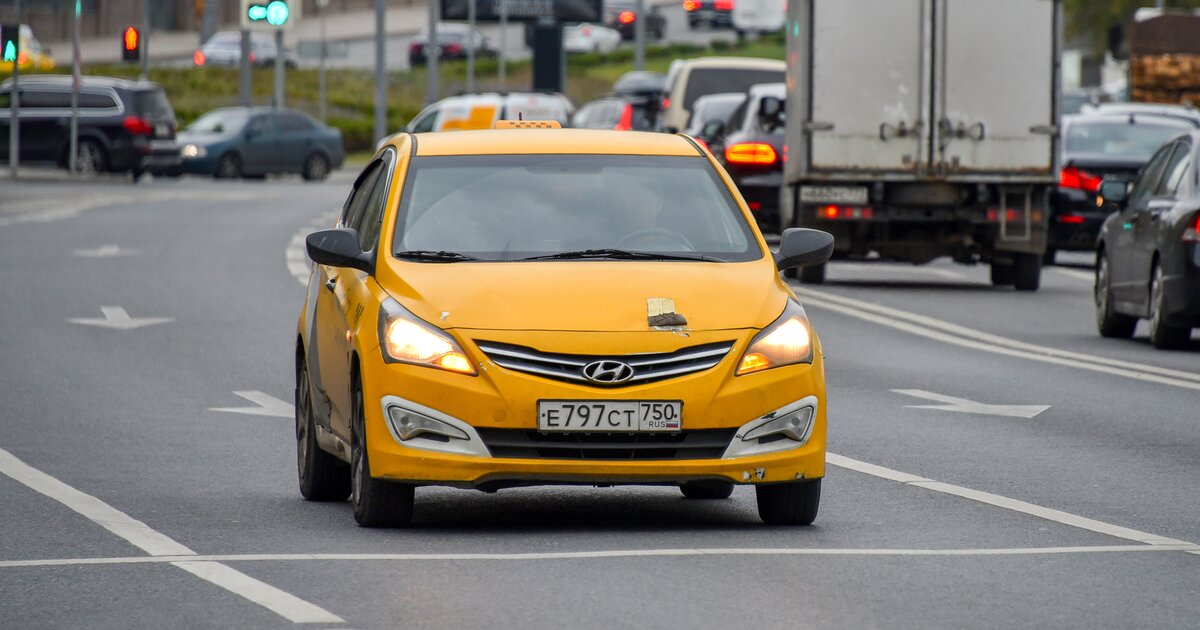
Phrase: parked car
[453,42]
[715,13]
[224,49]
[1148,255]
[750,147]
[622,112]
[709,110]
[590,38]
[689,79]
[622,16]
[253,141]
[1187,113]
[31,55]
[481,111]
[1094,147]
[124,126]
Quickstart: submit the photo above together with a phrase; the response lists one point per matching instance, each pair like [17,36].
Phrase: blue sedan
[254,141]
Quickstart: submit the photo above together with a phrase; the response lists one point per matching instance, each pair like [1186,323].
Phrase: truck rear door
[994,87]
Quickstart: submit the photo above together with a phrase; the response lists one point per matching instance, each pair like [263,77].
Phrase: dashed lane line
[158,544]
[947,332]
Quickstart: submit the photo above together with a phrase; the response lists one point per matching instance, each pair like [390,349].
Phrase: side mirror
[712,129]
[337,247]
[803,247]
[1114,191]
[770,112]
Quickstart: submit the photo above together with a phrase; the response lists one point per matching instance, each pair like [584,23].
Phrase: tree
[1092,19]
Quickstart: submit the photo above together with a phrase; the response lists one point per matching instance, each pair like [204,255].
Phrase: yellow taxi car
[529,306]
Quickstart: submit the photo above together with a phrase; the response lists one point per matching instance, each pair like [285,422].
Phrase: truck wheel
[1162,335]
[1027,272]
[1109,322]
[1002,274]
[813,275]
[794,503]
[706,489]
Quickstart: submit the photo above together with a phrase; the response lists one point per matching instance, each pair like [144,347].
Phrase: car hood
[586,295]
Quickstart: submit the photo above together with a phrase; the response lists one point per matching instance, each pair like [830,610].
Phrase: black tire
[1002,274]
[228,167]
[1027,272]
[322,476]
[793,503]
[90,157]
[813,274]
[316,168]
[1049,256]
[706,489]
[1163,335]
[376,502]
[1109,322]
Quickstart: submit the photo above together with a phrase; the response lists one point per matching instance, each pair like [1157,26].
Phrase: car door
[260,151]
[336,287]
[1148,224]
[1127,284]
[296,136]
[45,123]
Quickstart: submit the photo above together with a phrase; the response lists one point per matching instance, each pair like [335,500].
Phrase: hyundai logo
[607,372]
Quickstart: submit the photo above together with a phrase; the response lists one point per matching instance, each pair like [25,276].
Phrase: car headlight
[787,341]
[193,151]
[406,338]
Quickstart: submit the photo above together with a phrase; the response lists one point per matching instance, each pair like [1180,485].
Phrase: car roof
[552,142]
[1129,118]
[734,62]
[65,79]
[640,81]
[1177,111]
[768,89]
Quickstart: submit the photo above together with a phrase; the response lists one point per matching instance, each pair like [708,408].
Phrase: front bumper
[499,398]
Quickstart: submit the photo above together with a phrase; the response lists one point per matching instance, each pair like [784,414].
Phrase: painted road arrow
[962,405]
[116,317]
[104,251]
[265,405]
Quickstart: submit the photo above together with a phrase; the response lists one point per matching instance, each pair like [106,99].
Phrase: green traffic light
[10,51]
[277,13]
[257,12]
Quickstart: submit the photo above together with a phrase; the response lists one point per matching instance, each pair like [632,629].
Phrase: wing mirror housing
[712,129]
[803,247]
[770,113]
[338,247]
[1114,191]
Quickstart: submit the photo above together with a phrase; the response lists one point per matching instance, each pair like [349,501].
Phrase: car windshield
[716,80]
[512,207]
[220,121]
[1121,138]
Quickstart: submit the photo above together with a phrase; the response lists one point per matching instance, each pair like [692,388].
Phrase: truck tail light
[1077,179]
[1192,234]
[626,121]
[756,153]
[138,126]
[838,213]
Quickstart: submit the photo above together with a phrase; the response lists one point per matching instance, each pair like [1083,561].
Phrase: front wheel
[376,502]
[316,168]
[794,503]
[1163,335]
[706,489]
[228,167]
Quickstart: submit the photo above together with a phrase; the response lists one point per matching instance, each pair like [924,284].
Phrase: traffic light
[10,42]
[131,44]
[270,14]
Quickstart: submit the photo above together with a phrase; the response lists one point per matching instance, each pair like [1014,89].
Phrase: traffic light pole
[145,39]
[432,51]
[244,71]
[279,96]
[75,80]
[14,131]
[639,36]
[381,69]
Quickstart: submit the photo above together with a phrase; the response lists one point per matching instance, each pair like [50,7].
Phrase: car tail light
[250,57]
[626,17]
[453,48]
[1192,234]
[690,5]
[837,213]
[1077,179]
[198,58]
[626,121]
[666,103]
[755,206]
[723,5]
[138,126]
[1072,219]
[751,153]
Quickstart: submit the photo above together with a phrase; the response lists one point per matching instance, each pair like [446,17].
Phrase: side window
[292,122]
[39,99]
[1181,163]
[357,202]
[1148,179]
[260,125]
[371,222]
[91,100]
[424,124]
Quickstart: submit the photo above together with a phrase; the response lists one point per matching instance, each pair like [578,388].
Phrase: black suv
[124,126]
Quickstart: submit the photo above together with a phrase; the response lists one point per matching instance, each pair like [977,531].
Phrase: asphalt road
[133,497]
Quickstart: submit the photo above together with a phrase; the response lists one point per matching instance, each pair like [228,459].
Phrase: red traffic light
[131,38]
[131,44]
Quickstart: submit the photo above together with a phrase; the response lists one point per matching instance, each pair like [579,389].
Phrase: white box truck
[918,129]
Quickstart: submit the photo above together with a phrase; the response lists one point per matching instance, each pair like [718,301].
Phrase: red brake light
[666,103]
[831,213]
[690,5]
[1192,234]
[250,57]
[198,58]
[723,5]
[138,126]
[453,48]
[1072,219]
[1077,179]
[751,153]
[754,205]
[626,122]
[626,17]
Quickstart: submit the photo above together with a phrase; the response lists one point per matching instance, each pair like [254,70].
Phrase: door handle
[331,284]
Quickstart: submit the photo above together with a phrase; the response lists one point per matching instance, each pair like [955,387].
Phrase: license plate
[162,130]
[616,416]
[833,194]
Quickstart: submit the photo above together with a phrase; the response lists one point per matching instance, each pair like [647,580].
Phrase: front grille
[529,444]
[569,367]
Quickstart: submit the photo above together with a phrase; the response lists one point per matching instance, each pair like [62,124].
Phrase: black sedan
[750,147]
[251,142]
[1098,146]
[1148,256]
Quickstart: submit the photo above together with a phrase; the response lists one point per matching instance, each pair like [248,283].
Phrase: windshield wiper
[433,256]
[619,254]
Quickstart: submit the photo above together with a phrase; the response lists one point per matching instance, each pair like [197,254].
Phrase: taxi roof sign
[527,124]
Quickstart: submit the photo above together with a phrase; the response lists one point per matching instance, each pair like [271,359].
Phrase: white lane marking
[970,338]
[962,405]
[1050,514]
[47,210]
[583,555]
[265,405]
[116,317]
[104,251]
[870,267]
[1076,274]
[279,602]
[152,542]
